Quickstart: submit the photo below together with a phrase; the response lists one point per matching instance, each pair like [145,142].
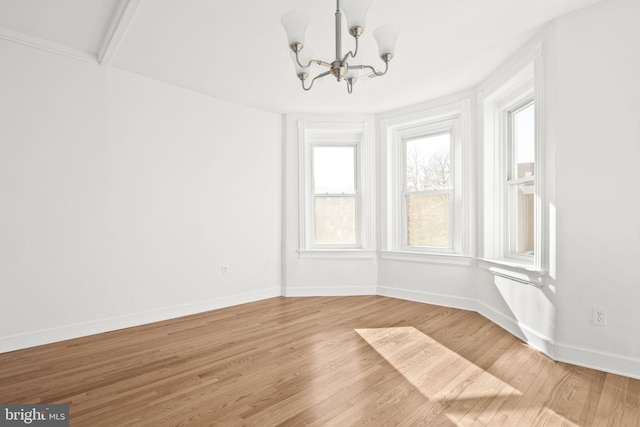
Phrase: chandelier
[295,24]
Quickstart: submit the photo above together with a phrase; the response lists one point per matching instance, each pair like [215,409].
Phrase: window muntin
[428,191]
[520,188]
[335,207]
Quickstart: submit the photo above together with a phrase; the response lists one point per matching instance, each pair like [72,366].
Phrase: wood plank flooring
[334,361]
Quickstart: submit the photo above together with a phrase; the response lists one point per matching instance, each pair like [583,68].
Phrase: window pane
[334,170]
[428,163]
[524,141]
[335,220]
[522,240]
[428,220]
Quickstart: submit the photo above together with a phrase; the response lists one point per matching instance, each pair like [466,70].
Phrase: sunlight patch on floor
[441,375]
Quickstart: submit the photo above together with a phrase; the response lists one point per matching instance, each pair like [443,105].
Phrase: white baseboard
[47,336]
[428,298]
[338,291]
[601,361]
[588,358]
[523,332]
[585,357]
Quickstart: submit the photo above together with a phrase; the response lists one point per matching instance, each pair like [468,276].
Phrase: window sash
[406,194]
[405,220]
[355,195]
[514,216]
[354,148]
[512,183]
[512,169]
[327,232]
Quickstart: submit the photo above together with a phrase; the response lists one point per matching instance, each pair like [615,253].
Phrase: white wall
[598,81]
[446,285]
[122,197]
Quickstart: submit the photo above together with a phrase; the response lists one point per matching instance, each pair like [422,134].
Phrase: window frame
[395,127]
[513,90]
[348,133]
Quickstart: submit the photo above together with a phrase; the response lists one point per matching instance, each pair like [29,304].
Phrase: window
[427,177]
[428,191]
[513,197]
[336,185]
[521,221]
[334,195]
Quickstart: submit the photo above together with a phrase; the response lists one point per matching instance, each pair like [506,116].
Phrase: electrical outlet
[599,316]
[225,270]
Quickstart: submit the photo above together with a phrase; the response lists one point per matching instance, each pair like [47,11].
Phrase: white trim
[304,176]
[47,336]
[334,291]
[516,276]
[599,360]
[46,45]
[522,273]
[431,258]
[467,178]
[337,254]
[542,252]
[461,303]
[118,27]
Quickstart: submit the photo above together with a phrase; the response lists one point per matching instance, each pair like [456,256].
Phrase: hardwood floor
[316,361]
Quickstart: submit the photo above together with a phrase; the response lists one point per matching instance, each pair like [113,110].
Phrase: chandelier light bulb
[295,24]
[386,37]
[356,13]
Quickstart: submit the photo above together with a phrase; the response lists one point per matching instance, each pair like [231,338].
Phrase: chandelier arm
[349,86]
[351,53]
[312,61]
[314,79]
[369,67]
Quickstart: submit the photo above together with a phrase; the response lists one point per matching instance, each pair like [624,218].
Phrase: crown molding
[46,45]
[118,27]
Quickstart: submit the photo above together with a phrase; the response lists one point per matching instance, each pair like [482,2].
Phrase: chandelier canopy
[295,24]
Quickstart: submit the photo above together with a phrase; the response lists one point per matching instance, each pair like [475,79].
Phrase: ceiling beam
[118,27]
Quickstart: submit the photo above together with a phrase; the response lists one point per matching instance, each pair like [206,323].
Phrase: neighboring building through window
[521,217]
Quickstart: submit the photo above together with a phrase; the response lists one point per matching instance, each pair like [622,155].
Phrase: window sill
[519,272]
[433,258]
[336,254]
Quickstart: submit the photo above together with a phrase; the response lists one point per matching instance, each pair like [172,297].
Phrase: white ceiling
[237,50]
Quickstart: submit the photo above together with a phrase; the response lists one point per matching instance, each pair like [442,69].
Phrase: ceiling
[237,50]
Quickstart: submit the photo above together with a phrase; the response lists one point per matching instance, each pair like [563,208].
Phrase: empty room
[323,213]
